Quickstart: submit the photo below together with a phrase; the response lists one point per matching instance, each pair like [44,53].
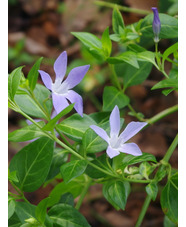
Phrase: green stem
[163,114]
[135,114]
[83,193]
[122,8]
[114,78]
[171,149]
[143,211]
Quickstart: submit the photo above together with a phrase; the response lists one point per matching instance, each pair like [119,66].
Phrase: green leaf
[168,223]
[116,192]
[12,176]
[100,162]
[128,57]
[14,221]
[30,107]
[74,187]
[11,208]
[32,164]
[146,169]
[65,215]
[51,124]
[112,96]
[67,198]
[75,126]
[152,190]
[72,169]
[106,42]
[169,51]
[27,133]
[131,75]
[169,26]
[100,117]
[169,198]
[117,20]
[147,56]
[167,83]
[33,74]
[13,81]
[60,156]
[24,211]
[123,160]
[41,210]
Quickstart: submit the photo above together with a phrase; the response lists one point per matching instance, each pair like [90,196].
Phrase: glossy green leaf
[27,133]
[65,215]
[131,75]
[51,124]
[167,83]
[30,107]
[60,156]
[152,190]
[33,74]
[100,162]
[116,192]
[106,42]
[14,221]
[75,126]
[74,187]
[169,198]
[11,208]
[146,169]
[112,96]
[67,198]
[168,223]
[72,169]
[100,117]
[41,210]
[123,160]
[169,26]
[128,57]
[13,82]
[169,51]
[32,164]
[24,211]
[117,20]
[12,176]
[147,56]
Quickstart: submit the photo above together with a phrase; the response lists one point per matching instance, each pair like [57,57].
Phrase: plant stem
[143,211]
[122,8]
[83,193]
[135,114]
[171,149]
[114,78]
[163,114]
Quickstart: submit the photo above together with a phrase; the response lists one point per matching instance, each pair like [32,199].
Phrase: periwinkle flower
[61,90]
[117,143]
[156,25]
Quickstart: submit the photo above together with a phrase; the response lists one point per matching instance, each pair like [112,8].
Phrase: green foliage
[146,169]
[75,126]
[112,96]
[106,43]
[169,198]
[33,74]
[72,169]
[41,209]
[117,21]
[11,207]
[65,215]
[32,164]
[116,192]
[152,190]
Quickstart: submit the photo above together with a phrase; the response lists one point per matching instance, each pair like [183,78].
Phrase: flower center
[59,88]
[115,142]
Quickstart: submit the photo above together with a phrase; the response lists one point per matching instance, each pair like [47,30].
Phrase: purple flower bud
[156,25]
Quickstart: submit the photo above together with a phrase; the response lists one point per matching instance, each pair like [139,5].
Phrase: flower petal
[59,102]
[76,75]
[60,66]
[114,122]
[46,79]
[101,132]
[132,129]
[74,97]
[130,148]
[112,152]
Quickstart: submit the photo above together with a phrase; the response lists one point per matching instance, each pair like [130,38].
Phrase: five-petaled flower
[61,91]
[156,25]
[117,143]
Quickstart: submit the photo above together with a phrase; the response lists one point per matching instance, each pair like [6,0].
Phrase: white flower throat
[60,88]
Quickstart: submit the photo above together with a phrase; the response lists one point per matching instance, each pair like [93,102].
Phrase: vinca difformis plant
[100,153]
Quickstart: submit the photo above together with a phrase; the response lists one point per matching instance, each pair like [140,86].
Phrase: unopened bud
[156,25]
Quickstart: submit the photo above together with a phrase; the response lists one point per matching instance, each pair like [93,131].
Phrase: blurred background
[43,28]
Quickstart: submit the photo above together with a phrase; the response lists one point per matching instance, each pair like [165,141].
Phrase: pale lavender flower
[156,25]
[117,143]
[61,90]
